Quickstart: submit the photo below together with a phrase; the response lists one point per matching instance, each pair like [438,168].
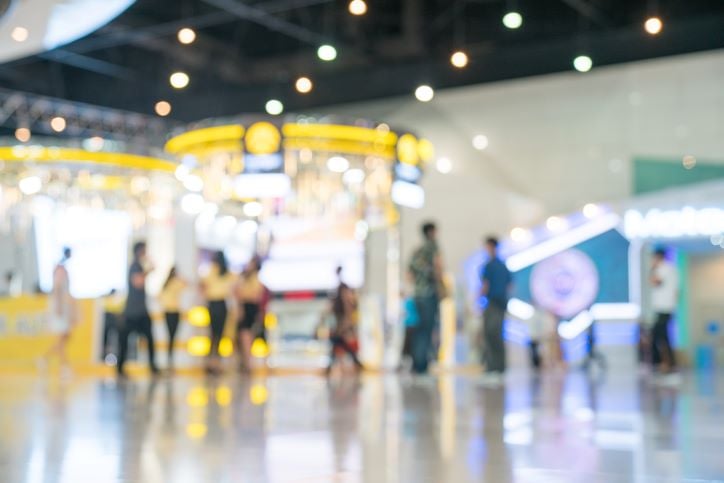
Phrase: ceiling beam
[264,18]
[588,10]
[88,63]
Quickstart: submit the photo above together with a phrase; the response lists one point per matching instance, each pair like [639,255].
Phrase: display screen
[99,240]
[304,254]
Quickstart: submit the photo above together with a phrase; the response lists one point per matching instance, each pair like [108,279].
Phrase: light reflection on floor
[386,428]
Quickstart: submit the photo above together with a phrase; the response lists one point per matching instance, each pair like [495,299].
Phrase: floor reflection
[379,428]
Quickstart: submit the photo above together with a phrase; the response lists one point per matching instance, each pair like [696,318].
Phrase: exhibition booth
[305,194]
[590,271]
[92,195]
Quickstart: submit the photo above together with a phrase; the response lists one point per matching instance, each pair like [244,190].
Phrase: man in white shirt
[664,300]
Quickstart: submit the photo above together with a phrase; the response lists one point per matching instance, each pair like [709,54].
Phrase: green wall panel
[655,174]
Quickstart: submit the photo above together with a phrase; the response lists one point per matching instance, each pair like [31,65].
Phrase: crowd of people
[219,287]
[421,313]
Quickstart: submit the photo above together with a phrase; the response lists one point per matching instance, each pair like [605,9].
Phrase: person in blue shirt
[496,288]
[410,319]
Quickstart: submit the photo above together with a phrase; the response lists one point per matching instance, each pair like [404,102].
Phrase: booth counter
[24,335]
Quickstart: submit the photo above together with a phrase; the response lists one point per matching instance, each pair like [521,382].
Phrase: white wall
[552,141]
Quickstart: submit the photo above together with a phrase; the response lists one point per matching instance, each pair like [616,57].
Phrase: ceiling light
[30,185]
[591,210]
[513,20]
[179,80]
[253,209]
[19,34]
[163,108]
[22,134]
[186,36]
[480,142]
[653,25]
[424,93]
[57,124]
[274,107]
[444,165]
[459,59]
[582,63]
[303,85]
[337,164]
[327,53]
[357,7]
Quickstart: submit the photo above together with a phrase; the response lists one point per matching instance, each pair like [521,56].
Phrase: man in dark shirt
[426,272]
[496,287]
[136,314]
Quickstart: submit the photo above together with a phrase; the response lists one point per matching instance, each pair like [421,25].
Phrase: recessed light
[163,108]
[303,85]
[424,93]
[179,80]
[186,36]
[20,34]
[274,107]
[582,63]
[459,59]
[327,53]
[513,20]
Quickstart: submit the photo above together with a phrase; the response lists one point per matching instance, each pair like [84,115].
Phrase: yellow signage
[24,334]
[263,138]
[407,150]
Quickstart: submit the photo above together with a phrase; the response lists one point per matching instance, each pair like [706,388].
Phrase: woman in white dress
[61,313]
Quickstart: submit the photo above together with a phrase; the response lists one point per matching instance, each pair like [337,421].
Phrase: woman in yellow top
[170,299]
[250,295]
[217,287]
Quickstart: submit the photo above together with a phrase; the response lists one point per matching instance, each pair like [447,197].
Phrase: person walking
[426,271]
[250,295]
[496,288]
[664,300]
[344,334]
[170,299]
[61,315]
[217,288]
[136,316]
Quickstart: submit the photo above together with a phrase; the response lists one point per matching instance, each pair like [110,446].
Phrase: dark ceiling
[250,50]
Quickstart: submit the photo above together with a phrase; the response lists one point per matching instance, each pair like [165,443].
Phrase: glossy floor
[380,428]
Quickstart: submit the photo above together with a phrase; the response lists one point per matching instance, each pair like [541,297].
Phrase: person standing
[62,314]
[496,288]
[136,314]
[664,300]
[250,295]
[426,271]
[170,299]
[217,287]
